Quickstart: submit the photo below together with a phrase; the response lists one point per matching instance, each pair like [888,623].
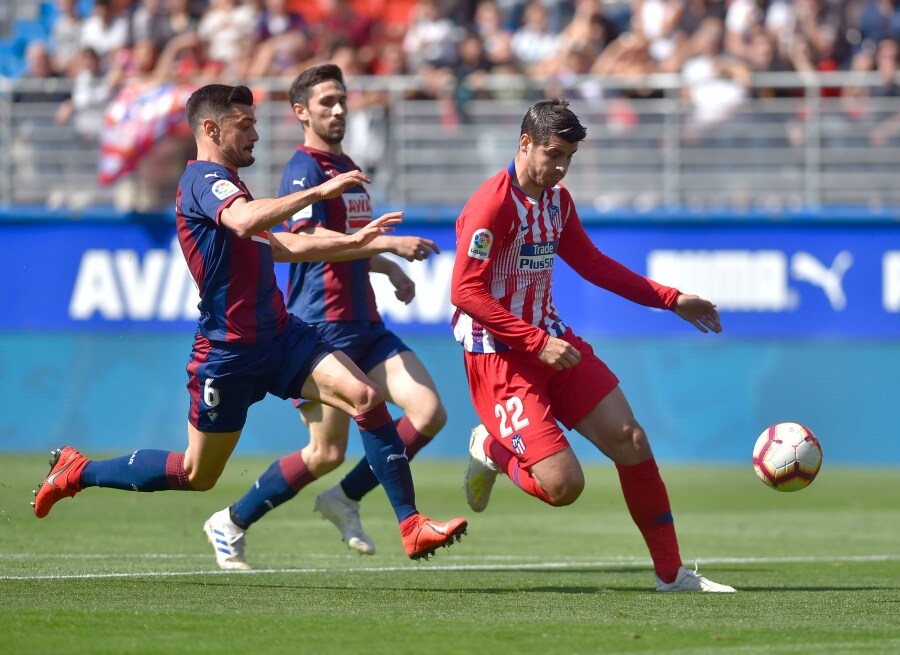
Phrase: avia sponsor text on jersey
[359,210]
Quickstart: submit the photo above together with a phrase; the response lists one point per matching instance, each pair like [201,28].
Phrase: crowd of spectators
[459,43]
[457,50]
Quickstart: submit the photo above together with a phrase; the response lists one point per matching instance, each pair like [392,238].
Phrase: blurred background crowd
[451,45]
[106,67]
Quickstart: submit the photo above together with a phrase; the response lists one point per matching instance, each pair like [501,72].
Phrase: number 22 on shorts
[511,418]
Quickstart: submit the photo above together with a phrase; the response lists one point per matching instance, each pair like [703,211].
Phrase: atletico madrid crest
[518,444]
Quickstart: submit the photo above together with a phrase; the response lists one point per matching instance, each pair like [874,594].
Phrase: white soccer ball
[787,456]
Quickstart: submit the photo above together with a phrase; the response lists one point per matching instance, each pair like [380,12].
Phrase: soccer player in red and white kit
[247,344]
[527,369]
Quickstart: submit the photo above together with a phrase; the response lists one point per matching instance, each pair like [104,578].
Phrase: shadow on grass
[502,590]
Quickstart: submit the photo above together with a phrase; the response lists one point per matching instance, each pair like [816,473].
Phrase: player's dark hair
[302,86]
[552,118]
[215,101]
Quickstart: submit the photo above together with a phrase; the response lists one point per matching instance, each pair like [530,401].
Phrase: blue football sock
[361,480]
[386,454]
[142,470]
[281,482]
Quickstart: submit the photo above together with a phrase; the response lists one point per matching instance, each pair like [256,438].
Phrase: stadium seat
[25,32]
[11,66]
[29,29]
[47,15]
[11,63]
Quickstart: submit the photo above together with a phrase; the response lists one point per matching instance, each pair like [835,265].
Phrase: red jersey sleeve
[484,223]
[579,252]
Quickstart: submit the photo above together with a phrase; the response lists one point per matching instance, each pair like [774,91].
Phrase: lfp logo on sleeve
[480,247]
[223,189]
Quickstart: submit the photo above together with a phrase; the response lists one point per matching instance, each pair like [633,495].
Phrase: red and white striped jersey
[506,249]
[517,246]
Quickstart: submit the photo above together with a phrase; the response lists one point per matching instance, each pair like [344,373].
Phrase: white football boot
[481,472]
[688,580]
[334,505]
[227,540]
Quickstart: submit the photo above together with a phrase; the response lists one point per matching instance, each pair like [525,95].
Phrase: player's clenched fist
[559,354]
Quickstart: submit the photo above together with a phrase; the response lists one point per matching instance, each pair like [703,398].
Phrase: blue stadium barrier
[98,316]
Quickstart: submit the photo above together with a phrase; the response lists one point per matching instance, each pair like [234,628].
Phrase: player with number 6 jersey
[527,369]
[247,345]
[334,295]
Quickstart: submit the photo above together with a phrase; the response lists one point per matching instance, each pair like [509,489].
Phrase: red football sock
[521,477]
[295,471]
[175,473]
[412,438]
[648,502]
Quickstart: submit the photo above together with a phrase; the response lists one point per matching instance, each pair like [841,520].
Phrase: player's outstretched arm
[699,312]
[411,248]
[290,247]
[382,225]
[404,287]
[248,217]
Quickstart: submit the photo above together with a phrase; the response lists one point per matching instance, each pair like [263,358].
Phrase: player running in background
[334,294]
[247,344]
[527,369]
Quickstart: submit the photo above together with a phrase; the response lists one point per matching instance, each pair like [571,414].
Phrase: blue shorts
[367,343]
[224,379]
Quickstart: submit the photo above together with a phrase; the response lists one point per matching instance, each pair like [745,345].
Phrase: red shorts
[520,399]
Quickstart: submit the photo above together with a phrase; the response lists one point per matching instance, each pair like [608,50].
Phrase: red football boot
[422,536]
[61,482]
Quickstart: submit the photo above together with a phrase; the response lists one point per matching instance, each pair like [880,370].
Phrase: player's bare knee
[565,488]
[638,437]
[566,493]
[438,419]
[572,494]
[365,396]
[429,418]
[631,445]
[640,444]
[323,458]
[332,457]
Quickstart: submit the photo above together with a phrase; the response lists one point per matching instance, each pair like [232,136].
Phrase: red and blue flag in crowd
[141,115]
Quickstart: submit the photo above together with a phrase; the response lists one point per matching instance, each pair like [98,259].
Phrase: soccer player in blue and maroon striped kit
[335,295]
[247,344]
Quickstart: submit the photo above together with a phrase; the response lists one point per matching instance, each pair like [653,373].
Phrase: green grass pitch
[818,571]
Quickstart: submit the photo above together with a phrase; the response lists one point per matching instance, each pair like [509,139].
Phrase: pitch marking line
[523,566]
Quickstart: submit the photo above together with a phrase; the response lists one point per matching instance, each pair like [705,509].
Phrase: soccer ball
[787,456]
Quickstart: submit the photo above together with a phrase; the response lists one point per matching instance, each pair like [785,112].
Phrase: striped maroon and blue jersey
[328,291]
[240,301]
